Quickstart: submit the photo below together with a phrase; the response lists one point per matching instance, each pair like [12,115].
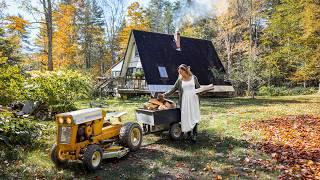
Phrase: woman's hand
[160,96]
[202,93]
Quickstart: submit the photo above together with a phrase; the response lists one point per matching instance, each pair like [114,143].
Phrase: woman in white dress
[186,85]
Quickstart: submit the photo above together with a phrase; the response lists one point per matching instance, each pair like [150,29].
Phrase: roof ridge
[185,37]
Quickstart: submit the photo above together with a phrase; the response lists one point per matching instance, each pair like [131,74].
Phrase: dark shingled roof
[157,49]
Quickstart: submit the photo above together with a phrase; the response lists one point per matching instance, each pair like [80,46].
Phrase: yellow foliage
[311,18]
[136,19]
[17,23]
[17,28]
[65,45]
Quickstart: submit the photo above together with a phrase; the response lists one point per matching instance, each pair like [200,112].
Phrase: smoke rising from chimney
[192,11]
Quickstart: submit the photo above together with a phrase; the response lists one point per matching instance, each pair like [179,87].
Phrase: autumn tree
[41,41]
[291,40]
[47,9]
[46,24]
[135,19]
[65,36]
[16,30]
[310,69]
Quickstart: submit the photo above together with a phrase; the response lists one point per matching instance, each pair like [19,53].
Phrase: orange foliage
[17,23]
[64,38]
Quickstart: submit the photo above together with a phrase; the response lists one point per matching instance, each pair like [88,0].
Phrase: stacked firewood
[159,104]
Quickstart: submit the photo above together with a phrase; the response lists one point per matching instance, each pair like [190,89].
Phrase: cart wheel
[131,136]
[175,131]
[92,157]
[54,157]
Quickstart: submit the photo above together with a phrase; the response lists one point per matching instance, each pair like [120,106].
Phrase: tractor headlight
[65,134]
[60,120]
[69,120]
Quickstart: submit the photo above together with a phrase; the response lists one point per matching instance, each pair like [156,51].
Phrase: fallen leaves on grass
[180,164]
[294,142]
[209,167]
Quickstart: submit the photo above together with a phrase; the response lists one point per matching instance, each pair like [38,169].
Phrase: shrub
[11,81]
[59,90]
[20,131]
[285,91]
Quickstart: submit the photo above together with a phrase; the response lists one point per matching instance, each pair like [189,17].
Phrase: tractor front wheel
[131,136]
[92,157]
[54,157]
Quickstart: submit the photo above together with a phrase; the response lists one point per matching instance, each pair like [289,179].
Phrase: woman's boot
[194,133]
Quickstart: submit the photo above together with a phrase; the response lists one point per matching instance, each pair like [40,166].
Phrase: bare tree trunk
[114,19]
[269,79]
[250,52]
[101,63]
[250,59]
[47,7]
[228,46]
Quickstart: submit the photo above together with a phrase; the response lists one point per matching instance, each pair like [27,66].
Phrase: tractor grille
[65,134]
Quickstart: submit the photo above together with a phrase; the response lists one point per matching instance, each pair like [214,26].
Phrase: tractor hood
[84,115]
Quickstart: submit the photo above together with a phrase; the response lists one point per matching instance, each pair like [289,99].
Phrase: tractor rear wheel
[92,157]
[54,157]
[131,136]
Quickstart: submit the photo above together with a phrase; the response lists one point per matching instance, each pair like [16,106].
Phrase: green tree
[160,16]
[291,40]
[11,79]
[92,35]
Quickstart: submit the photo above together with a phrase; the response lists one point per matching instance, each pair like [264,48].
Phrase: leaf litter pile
[294,142]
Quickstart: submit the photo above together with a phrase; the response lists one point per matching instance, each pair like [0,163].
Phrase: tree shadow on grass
[196,156]
[167,159]
[131,166]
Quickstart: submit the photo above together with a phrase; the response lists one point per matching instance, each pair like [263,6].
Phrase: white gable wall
[116,70]
[134,60]
[130,60]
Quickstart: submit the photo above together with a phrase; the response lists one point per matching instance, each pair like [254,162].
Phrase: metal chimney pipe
[177,40]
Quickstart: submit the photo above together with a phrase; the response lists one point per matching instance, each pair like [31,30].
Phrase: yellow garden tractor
[88,135]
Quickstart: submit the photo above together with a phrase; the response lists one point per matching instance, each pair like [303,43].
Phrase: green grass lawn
[221,149]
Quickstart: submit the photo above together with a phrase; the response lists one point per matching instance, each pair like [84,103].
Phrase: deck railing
[131,83]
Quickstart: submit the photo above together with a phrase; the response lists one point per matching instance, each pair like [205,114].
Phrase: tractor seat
[113,115]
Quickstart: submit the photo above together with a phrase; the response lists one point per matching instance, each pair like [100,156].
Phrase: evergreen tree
[91,31]
[160,16]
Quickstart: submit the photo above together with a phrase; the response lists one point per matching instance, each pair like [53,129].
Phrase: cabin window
[163,72]
[115,73]
[130,71]
[136,53]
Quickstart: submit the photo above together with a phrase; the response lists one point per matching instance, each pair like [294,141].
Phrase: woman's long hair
[186,69]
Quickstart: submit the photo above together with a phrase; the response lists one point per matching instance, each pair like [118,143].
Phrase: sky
[189,12]
[15,7]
